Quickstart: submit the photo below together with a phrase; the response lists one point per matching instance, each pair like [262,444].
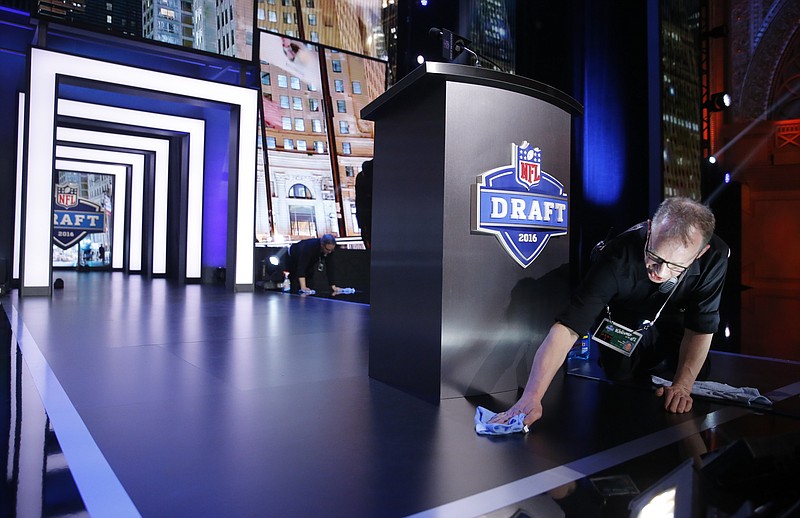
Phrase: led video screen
[83,220]
[351,25]
[314,137]
[223,27]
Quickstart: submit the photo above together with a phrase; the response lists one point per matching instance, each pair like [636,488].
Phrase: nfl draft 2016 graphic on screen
[520,204]
[74,217]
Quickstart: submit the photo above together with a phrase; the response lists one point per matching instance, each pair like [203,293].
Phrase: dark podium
[452,313]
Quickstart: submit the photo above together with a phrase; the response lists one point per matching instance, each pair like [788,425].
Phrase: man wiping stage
[652,294]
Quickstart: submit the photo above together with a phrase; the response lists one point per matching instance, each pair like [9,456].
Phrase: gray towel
[718,390]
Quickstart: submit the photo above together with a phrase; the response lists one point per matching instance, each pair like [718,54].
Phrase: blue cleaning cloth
[483,427]
[718,390]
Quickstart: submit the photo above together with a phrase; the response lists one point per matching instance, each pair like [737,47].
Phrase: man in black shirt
[662,279]
[364,202]
[309,255]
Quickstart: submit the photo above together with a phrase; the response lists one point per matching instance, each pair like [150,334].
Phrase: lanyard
[647,324]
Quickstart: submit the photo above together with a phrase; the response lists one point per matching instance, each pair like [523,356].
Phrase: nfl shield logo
[528,164]
[520,204]
[66,196]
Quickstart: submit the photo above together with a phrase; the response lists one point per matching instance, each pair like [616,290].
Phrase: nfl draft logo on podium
[520,204]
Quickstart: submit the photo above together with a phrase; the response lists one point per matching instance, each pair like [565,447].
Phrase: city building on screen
[117,16]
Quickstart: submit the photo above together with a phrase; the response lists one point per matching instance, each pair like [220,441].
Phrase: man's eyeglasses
[676,268]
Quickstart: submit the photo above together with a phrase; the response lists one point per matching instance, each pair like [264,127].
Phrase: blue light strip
[15,11]
[604,149]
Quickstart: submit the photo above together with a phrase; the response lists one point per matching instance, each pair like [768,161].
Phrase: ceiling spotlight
[712,159]
[718,102]
[420,59]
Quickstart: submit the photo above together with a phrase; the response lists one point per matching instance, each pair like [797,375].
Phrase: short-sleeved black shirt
[304,257]
[618,278]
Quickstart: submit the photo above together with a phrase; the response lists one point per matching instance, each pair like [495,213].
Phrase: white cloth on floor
[716,390]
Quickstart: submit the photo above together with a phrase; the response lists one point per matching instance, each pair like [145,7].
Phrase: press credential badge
[617,337]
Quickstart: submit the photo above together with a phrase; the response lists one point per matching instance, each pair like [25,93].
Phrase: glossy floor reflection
[172,400]
[690,467]
[38,480]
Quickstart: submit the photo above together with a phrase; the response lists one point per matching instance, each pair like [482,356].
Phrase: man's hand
[693,352]
[677,398]
[548,359]
[531,409]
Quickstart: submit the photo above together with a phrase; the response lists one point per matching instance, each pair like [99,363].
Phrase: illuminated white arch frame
[18,199]
[45,67]
[160,147]
[119,172]
[196,129]
[136,189]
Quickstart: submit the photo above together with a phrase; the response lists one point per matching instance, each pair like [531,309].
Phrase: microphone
[453,45]
[667,285]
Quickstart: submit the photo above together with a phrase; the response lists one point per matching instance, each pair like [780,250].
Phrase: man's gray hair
[327,239]
[678,218]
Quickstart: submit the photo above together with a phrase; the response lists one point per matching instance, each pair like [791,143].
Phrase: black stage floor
[173,400]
